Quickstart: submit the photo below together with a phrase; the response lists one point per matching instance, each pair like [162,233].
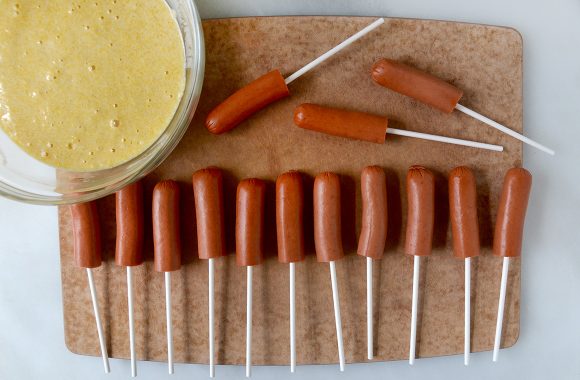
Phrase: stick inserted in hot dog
[363,126]
[266,90]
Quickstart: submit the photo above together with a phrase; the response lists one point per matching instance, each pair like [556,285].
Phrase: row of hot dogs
[249,227]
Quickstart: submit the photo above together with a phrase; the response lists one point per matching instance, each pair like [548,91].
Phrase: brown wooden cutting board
[485,61]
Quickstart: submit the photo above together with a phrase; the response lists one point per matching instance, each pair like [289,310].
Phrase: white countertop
[31,325]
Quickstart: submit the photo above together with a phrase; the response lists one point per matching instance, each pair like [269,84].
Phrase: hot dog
[209,212]
[509,225]
[129,212]
[463,212]
[337,122]
[420,211]
[246,101]
[327,220]
[86,234]
[416,84]
[373,233]
[166,234]
[289,217]
[250,221]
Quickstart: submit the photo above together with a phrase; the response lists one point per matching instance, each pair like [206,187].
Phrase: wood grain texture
[485,61]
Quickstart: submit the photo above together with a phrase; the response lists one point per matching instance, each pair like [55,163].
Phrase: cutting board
[485,61]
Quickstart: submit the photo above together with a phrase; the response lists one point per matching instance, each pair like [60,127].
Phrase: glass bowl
[24,179]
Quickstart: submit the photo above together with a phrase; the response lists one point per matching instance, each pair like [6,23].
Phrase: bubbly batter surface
[88,85]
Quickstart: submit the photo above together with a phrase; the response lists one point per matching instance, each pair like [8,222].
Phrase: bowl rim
[136,167]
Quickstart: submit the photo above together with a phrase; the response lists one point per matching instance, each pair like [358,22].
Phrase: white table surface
[31,323]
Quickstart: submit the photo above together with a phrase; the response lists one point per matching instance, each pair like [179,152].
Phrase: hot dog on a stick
[87,254]
[167,246]
[129,247]
[211,236]
[364,126]
[290,235]
[266,90]
[328,239]
[509,232]
[373,235]
[434,92]
[465,228]
[249,243]
[419,235]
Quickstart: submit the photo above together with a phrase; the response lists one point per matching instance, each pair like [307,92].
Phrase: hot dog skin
[209,212]
[420,211]
[327,219]
[86,234]
[250,221]
[373,233]
[246,101]
[509,225]
[289,217]
[129,212]
[416,84]
[166,234]
[463,212]
[337,122]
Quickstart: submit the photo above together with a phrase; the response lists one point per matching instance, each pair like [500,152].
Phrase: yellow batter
[88,85]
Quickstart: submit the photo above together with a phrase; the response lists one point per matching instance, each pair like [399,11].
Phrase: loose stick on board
[87,255]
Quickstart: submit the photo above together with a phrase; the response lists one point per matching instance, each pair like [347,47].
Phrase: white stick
[292,318]
[500,308]
[504,129]
[131,325]
[443,139]
[98,321]
[169,323]
[211,316]
[467,316]
[414,307]
[249,322]
[334,50]
[337,320]
[370,308]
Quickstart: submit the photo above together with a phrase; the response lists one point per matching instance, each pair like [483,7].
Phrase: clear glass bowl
[25,179]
